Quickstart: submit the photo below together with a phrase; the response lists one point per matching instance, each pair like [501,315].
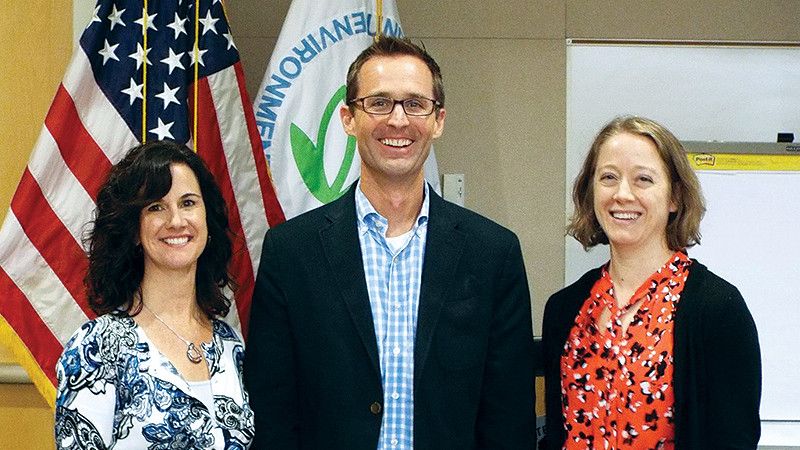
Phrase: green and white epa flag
[312,159]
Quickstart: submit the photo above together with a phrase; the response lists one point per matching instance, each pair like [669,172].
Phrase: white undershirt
[201,390]
[396,243]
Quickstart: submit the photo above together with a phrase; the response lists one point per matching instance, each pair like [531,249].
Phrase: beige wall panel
[26,420]
[505,131]
[531,19]
[254,53]
[29,77]
[740,20]
[249,18]
[256,26]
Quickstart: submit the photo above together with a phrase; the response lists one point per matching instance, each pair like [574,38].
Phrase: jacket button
[375,408]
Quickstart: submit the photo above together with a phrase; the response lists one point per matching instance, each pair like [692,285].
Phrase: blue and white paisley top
[116,390]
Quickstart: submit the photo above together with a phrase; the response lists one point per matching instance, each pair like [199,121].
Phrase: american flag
[95,118]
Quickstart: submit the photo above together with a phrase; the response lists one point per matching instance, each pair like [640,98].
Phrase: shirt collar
[369,218]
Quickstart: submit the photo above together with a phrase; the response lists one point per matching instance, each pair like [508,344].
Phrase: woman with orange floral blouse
[651,350]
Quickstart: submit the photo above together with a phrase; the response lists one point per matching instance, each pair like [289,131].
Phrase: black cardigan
[717,372]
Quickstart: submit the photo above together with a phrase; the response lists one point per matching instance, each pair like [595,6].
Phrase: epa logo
[309,155]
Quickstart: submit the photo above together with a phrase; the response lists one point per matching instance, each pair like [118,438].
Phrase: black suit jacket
[312,367]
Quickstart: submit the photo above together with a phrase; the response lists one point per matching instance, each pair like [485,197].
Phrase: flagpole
[144,74]
[379,21]
[196,71]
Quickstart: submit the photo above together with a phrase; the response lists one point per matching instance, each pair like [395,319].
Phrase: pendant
[193,353]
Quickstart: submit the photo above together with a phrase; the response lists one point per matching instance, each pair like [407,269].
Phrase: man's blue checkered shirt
[393,283]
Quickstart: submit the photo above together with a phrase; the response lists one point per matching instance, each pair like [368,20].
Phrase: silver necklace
[192,353]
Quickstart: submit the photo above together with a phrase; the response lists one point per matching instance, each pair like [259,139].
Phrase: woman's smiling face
[173,230]
[632,192]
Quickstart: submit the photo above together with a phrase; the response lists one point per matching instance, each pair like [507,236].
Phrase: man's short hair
[393,46]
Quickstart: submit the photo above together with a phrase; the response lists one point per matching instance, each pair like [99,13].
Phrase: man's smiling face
[393,147]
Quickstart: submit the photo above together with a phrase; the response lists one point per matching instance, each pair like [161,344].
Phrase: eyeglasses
[415,106]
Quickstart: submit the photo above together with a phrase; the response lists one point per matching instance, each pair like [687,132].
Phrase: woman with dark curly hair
[157,368]
[651,350]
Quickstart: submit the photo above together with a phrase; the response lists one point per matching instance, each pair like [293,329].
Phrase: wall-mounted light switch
[453,188]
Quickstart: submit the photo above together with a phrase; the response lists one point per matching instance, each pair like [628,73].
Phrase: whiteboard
[745,94]
[747,229]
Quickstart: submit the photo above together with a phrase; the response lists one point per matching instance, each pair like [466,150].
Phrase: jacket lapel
[443,249]
[343,252]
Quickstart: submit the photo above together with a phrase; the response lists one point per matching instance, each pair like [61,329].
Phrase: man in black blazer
[359,341]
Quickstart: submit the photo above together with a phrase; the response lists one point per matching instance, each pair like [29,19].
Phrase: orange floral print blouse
[617,387]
